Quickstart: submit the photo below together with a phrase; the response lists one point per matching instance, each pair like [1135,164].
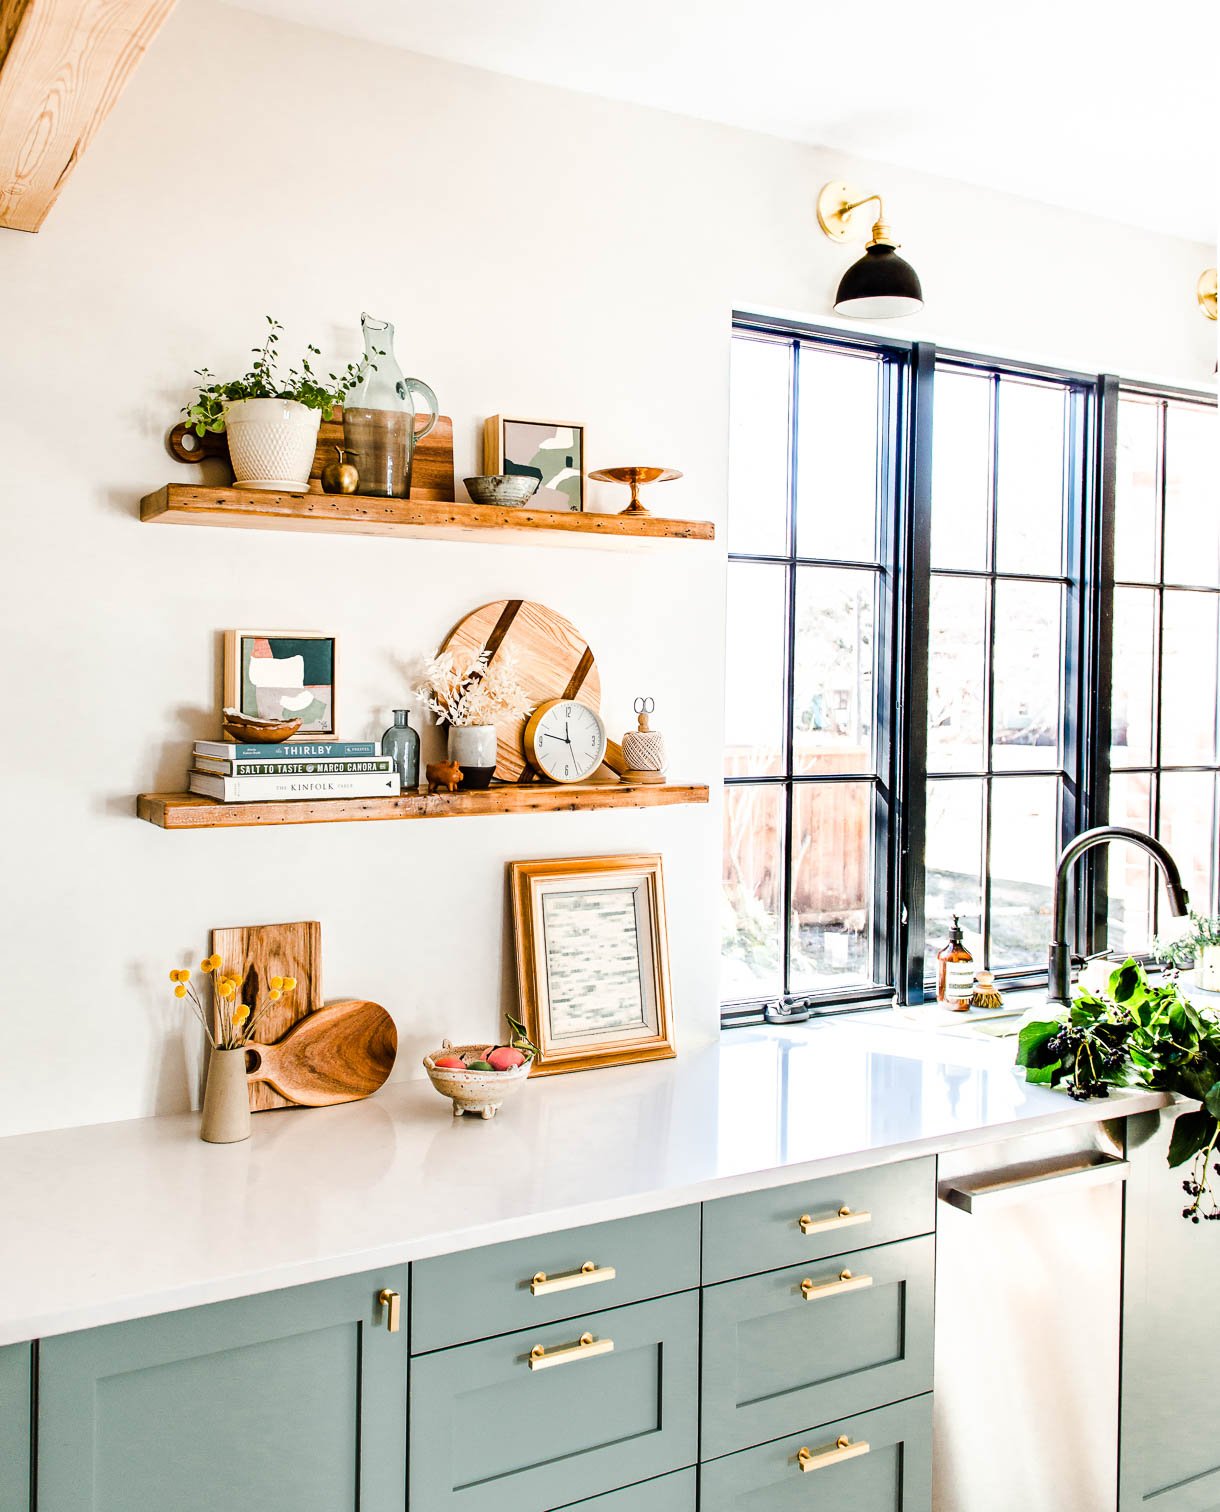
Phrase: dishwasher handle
[996,1189]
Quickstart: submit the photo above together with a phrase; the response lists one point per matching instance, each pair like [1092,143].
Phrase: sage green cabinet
[669,1493]
[15,1427]
[1170,1454]
[293,1401]
[799,1346]
[459,1298]
[791,1225]
[890,1470]
[496,1428]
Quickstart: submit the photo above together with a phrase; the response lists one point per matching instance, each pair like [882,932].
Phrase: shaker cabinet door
[15,1428]
[293,1401]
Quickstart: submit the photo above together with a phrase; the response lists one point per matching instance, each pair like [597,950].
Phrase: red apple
[505,1058]
[450,1062]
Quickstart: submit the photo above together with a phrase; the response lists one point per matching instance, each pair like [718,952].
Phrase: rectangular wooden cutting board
[257,952]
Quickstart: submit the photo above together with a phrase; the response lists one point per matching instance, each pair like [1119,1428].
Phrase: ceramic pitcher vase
[380,430]
[226,1102]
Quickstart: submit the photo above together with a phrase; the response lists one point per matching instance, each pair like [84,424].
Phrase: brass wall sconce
[1205,292]
[882,284]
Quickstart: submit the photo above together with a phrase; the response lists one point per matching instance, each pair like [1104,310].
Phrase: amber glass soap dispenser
[955,972]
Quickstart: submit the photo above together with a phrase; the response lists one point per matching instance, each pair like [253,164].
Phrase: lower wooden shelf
[187,811]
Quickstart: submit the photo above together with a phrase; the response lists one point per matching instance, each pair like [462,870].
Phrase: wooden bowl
[479,1092]
[245,727]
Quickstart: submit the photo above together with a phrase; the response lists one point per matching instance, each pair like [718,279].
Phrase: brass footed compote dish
[636,477]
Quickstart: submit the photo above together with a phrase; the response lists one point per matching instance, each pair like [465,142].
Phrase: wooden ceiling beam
[63,64]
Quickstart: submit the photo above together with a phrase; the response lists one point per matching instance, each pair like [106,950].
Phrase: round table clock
[565,740]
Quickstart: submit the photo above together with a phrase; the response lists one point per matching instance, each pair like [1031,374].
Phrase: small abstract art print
[553,451]
[592,960]
[283,674]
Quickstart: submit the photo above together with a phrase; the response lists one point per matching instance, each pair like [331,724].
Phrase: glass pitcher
[379,415]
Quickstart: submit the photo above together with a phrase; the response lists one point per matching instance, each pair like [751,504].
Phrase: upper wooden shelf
[356,514]
[180,811]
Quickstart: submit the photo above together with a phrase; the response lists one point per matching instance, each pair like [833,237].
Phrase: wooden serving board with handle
[256,953]
[431,468]
[336,1054]
[551,657]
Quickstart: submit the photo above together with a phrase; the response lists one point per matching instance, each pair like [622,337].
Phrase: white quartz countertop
[124,1220]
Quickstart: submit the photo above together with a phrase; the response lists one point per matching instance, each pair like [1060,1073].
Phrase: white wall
[540,252]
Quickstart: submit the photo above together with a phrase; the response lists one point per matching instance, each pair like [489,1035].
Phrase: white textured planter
[1208,974]
[272,443]
[473,747]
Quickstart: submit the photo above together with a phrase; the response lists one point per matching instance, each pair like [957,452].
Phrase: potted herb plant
[1199,948]
[471,693]
[271,420]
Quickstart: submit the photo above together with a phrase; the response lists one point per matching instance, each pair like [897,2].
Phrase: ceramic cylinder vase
[1209,968]
[473,747]
[226,1102]
[272,443]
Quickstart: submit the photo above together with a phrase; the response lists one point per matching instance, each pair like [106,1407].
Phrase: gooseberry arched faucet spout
[1059,963]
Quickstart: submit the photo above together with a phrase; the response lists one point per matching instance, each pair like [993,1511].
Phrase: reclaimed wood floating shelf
[355,514]
[185,811]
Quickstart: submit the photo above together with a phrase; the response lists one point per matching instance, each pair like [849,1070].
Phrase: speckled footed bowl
[505,489]
[479,1092]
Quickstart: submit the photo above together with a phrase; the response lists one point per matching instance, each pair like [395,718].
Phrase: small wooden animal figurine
[443,775]
[644,748]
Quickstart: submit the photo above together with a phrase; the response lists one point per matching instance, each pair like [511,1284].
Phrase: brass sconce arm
[837,202]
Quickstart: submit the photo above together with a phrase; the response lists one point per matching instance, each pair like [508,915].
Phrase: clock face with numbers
[565,740]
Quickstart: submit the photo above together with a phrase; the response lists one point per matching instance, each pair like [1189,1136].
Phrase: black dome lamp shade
[882,284]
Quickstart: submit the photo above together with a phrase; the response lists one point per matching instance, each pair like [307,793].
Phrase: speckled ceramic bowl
[504,489]
[479,1092]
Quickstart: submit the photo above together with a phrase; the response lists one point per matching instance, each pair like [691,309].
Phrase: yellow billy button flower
[226,989]
[179,990]
[175,975]
[277,983]
[275,994]
[290,984]
[207,965]
[239,1016]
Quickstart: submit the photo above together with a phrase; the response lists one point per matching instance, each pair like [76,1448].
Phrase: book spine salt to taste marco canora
[222,768]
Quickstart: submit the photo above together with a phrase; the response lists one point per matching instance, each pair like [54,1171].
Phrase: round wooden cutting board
[552,658]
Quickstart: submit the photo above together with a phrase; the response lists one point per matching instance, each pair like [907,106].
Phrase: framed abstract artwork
[283,674]
[592,960]
[553,451]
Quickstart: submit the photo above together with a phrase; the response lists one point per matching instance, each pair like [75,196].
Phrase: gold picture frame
[512,443]
[308,645]
[592,950]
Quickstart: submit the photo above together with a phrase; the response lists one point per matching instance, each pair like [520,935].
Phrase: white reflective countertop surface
[123,1220]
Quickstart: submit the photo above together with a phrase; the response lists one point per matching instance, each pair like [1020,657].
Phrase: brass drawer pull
[584,1349]
[588,1275]
[390,1299]
[845,1282]
[844,1218]
[843,1449]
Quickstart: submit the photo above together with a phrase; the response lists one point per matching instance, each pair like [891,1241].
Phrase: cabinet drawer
[759,1231]
[458,1298]
[15,1428]
[490,1433]
[894,1475]
[797,1346]
[670,1493]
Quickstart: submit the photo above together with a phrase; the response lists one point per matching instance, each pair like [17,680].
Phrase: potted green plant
[1199,948]
[271,420]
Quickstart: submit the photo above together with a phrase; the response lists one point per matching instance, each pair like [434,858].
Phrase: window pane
[1188,678]
[832,884]
[758,447]
[1029,488]
[1133,677]
[833,692]
[756,633]
[953,876]
[1027,708]
[836,497]
[1024,848]
[1192,496]
[1129,880]
[961,470]
[1135,509]
[750,931]
[957,675]
[1188,829]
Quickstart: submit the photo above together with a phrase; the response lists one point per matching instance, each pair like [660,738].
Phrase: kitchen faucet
[1059,963]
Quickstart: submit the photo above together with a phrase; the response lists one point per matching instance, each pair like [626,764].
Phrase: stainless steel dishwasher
[1028,1318]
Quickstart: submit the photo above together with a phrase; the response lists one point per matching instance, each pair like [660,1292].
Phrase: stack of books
[237,773]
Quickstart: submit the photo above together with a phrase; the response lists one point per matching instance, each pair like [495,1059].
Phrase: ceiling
[1103,106]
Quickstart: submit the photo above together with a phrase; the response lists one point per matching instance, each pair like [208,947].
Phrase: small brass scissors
[645,705]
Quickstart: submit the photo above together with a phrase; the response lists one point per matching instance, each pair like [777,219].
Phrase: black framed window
[1164,740]
[973,607]
[808,817]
